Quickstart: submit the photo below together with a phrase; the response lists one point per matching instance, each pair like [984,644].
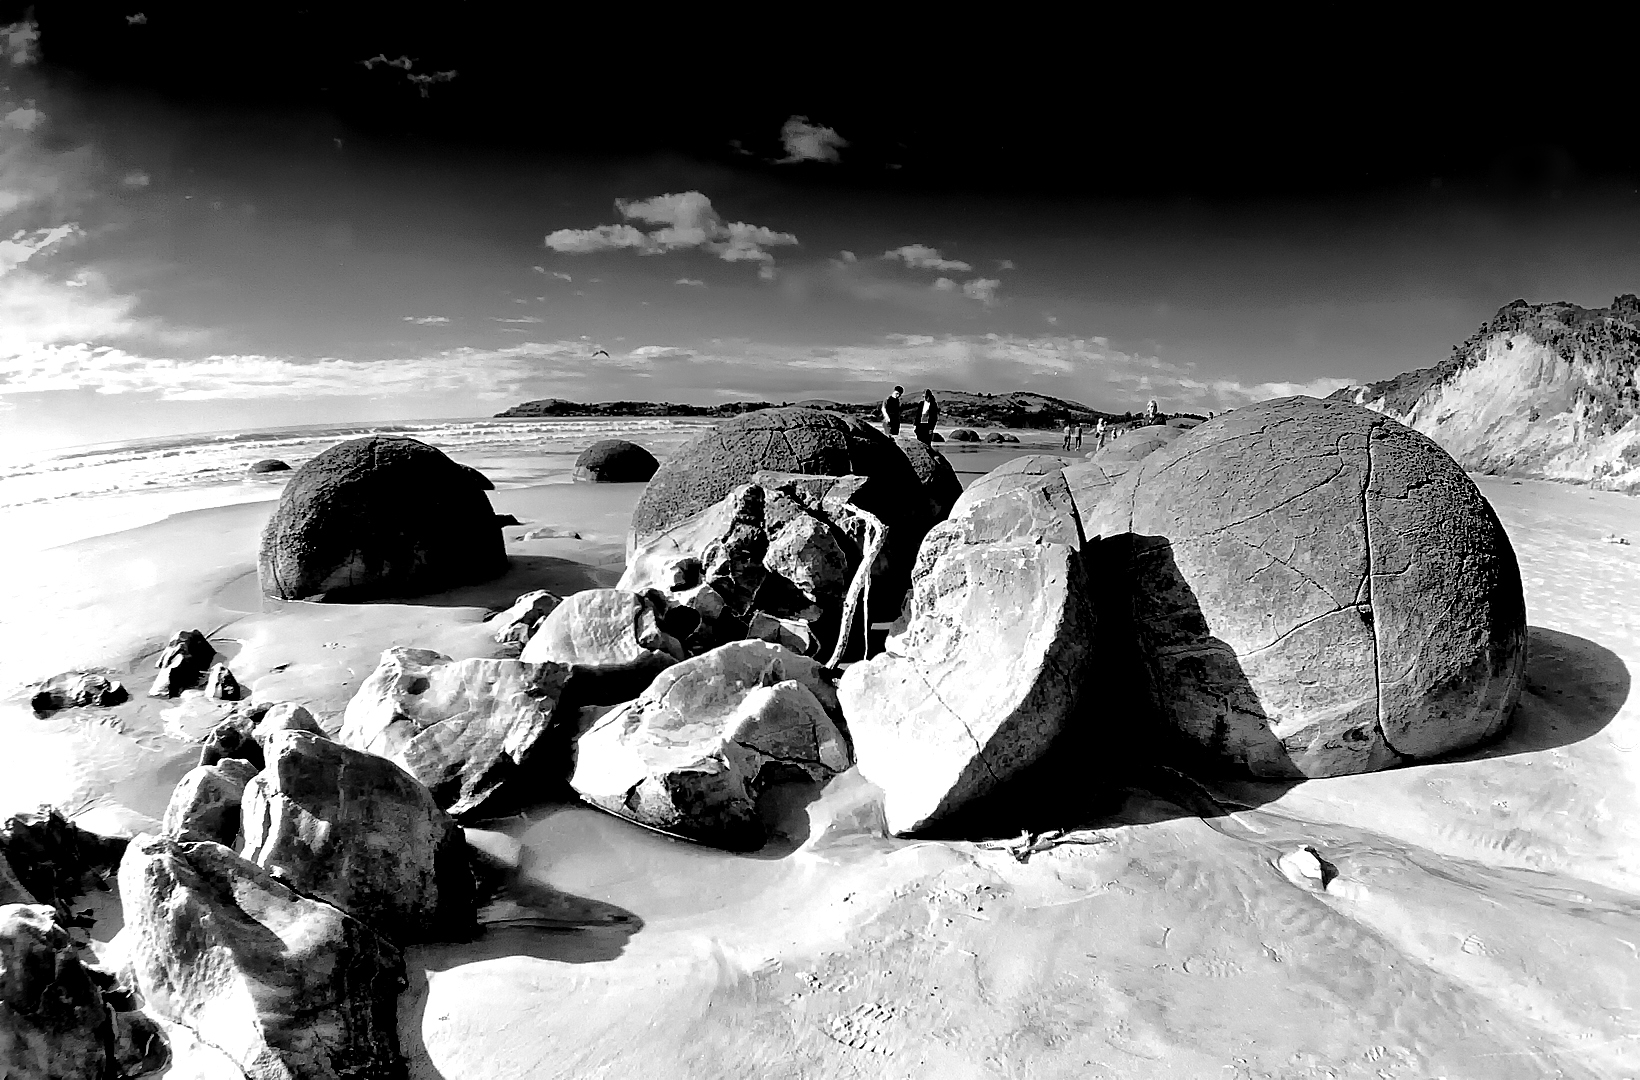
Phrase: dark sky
[231,214]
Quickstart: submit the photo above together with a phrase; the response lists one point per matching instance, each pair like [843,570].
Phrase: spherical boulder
[793,440]
[1316,589]
[963,434]
[615,461]
[267,465]
[375,517]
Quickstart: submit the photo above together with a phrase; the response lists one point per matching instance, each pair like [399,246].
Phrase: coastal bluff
[1545,391]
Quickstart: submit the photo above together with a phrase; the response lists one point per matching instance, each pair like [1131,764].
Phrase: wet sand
[1484,921]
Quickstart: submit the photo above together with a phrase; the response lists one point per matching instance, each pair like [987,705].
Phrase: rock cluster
[76,689]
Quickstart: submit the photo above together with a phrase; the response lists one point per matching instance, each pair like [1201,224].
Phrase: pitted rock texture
[615,461]
[1037,508]
[287,986]
[794,440]
[990,669]
[939,480]
[697,750]
[473,731]
[1316,590]
[357,831]
[375,517]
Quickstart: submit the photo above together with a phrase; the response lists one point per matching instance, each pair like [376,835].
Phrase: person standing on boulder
[891,411]
[929,416]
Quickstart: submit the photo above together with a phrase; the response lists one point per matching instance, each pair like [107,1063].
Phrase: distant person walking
[891,411]
[1065,438]
[1099,433]
[927,418]
[1077,434]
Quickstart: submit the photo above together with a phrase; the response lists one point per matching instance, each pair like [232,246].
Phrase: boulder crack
[1377,645]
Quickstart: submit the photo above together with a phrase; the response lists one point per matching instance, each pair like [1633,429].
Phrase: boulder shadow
[1573,688]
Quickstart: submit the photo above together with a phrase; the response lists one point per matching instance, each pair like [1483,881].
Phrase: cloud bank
[681,222]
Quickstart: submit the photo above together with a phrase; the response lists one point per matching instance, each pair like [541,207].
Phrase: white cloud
[21,42]
[767,272]
[522,321]
[923,257]
[23,118]
[982,289]
[809,142]
[561,276]
[426,320]
[945,284]
[1005,264]
[136,179]
[661,352]
[847,256]
[25,245]
[686,220]
[696,282]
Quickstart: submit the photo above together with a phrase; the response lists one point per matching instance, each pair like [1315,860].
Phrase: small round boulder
[267,465]
[1317,590]
[377,517]
[615,461]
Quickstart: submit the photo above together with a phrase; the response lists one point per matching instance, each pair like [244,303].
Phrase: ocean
[97,489]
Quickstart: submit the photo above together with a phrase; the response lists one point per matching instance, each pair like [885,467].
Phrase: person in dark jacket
[927,417]
[891,411]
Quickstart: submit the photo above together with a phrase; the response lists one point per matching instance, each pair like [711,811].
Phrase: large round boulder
[267,465]
[791,440]
[379,516]
[1315,589]
[963,434]
[615,461]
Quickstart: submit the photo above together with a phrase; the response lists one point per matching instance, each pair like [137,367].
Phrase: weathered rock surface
[1009,474]
[379,516]
[1037,509]
[467,729]
[791,440]
[1137,444]
[1317,590]
[74,689]
[220,684]
[267,465]
[615,461]
[939,480]
[54,859]
[989,670]
[519,622]
[695,752]
[774,560]
[357,831]
[286,985]
[205,803]
[612,636]
[183,664]
[53,1024]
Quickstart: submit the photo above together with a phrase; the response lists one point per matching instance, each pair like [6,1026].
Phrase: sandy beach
[1484,922]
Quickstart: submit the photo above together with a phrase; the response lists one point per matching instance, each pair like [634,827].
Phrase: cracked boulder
[774,560]
[473,731]
[284,984]
[989,670]
[1009,474]
[357,831]
[696,753]
[1316,589]
[613,638]
[792,440]
[1038,508]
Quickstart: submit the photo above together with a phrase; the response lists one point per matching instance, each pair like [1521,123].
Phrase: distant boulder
[790,440]
[376,517]
[1000,437]
[695,753]
[1322,591]
[963,434]
[267,465]
[615,461]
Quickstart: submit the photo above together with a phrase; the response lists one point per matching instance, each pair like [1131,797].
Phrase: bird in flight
[601,352]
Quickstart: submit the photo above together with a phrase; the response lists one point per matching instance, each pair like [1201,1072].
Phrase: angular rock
[1321,591]
[379,516]
[615,461]
[286,716]
[518,622]
[696,751]
[54,859]
[53,1024]
[235,737]
[469,730]
[220,684]
[286,985]
[357,831]
[205,803]
[611,635]
[74,689]
[991,667]
[183,663]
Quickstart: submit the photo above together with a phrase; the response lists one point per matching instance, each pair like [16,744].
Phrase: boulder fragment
[74,689]
[183,663]
[205,803]
[519,622]
[53,1024]
[220,684]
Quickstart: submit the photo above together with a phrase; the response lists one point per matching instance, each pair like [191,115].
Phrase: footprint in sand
[862,1029]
